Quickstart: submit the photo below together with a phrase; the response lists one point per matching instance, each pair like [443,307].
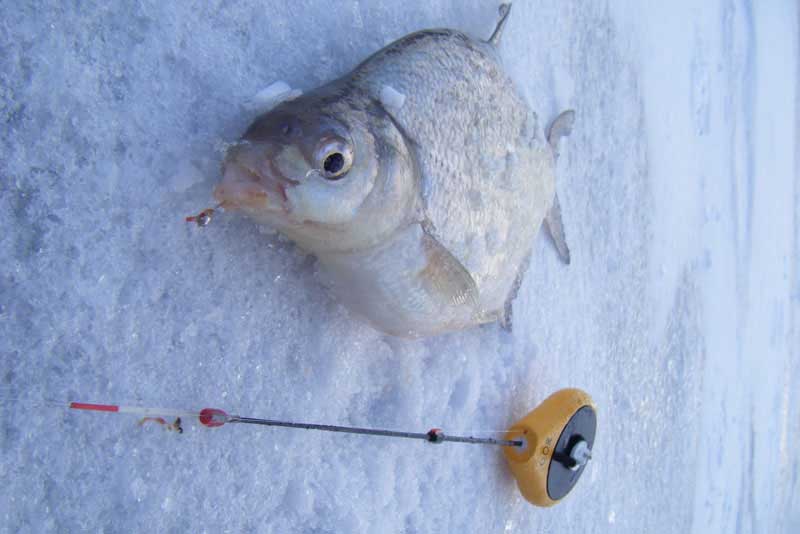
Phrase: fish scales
[485,174]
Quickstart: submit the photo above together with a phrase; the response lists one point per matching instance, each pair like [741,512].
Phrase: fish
[419,181]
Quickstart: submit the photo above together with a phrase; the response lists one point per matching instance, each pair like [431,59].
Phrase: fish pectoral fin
[445,278]
[555,227]
[504,10]
[560,127]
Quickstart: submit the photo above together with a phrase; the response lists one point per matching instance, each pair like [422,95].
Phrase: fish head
[331,175]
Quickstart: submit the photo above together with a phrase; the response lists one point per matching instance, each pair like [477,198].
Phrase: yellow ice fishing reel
[557,436]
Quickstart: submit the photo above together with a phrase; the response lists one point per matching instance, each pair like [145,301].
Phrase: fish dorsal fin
[504,10]
[560,127]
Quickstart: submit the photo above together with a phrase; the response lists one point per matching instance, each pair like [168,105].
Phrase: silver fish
[419,181]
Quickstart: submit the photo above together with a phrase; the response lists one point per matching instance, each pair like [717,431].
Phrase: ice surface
[679,313]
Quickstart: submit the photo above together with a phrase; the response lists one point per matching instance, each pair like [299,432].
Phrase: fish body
[419,181]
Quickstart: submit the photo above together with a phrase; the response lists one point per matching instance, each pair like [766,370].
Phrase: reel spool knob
[558,437]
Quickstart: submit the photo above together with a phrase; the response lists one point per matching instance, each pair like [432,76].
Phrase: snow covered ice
[678,314]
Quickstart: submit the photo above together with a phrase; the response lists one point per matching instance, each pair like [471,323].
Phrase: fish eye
[335,157]
[334,163]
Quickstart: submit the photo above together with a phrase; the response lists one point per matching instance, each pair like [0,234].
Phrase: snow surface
[679,313]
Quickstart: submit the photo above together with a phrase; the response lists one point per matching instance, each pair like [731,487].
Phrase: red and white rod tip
[145,411]
[93,407]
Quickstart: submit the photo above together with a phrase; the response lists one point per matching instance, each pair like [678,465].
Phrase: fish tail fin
[560,127]
[504,10]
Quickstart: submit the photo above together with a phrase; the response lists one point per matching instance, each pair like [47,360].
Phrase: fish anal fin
[506,315]
[555,227]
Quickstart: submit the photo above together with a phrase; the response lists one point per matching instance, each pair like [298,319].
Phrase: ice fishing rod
[214,417]
[547,450]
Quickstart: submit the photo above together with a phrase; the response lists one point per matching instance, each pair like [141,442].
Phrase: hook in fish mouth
[204,217]
[251,182]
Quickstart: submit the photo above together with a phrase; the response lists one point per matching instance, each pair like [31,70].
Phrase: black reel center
[572,452]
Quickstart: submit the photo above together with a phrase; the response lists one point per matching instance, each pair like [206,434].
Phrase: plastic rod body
[373,431]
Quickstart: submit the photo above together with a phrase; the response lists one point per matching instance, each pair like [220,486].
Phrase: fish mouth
[250,182]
